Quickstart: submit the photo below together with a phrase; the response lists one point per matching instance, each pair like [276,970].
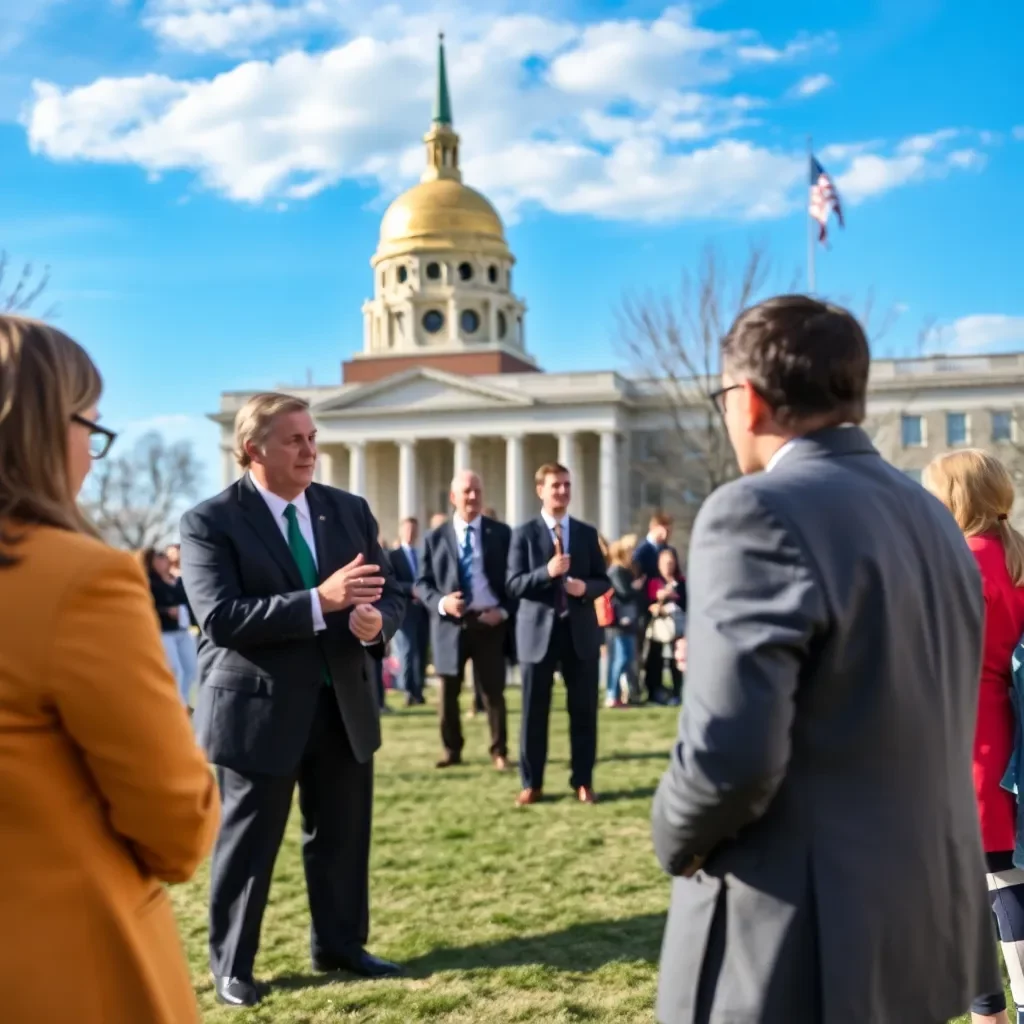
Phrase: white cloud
[980,332]
[967,159]
[761,53]
[223,25]
[928,142]
[811,85]
[870,175]
[20,18]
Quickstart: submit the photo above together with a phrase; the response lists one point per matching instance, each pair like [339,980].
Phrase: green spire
[442,103]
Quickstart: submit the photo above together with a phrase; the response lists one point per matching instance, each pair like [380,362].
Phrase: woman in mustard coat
[104,794]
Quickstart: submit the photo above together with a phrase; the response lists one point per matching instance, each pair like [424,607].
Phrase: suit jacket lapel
[547,543]
[448,537]
[260,518]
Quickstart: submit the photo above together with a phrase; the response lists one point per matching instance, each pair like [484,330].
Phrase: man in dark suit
[556,571]
[462,585]
[294,597]
[818,814]
[414,633]
[659,535]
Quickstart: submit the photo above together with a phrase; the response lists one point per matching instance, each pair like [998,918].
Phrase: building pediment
[422,389]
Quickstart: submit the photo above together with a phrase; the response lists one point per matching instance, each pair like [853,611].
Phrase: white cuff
[379,638]
[440,607]
[318,613]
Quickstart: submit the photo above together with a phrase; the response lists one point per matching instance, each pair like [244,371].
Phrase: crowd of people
[839,814]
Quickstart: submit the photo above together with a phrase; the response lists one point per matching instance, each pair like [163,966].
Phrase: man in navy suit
[462,585]
[413,634]
[556,571]
[645,557]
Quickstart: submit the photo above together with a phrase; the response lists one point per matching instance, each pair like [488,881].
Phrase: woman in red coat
[978,490]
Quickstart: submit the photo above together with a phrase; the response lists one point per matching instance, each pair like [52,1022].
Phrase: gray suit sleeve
[521,581]
[214,591]
[754,607]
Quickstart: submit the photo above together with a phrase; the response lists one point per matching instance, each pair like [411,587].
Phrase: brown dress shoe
[527,797]
[586,795]
[501,763]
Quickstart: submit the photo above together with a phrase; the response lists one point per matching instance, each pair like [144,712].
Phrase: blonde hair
[45,380]
[253,422]
[976,487]
[621,551]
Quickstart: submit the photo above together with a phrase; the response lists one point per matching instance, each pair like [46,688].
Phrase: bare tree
[672,344]
[135,499]
[27,287]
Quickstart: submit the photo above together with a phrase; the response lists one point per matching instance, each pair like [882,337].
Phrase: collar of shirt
[461,525]
[277,504]
[652,540]
[790,445]
[550,520]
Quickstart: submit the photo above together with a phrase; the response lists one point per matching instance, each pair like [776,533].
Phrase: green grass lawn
[552,913]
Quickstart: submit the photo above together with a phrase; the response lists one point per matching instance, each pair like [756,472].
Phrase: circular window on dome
[433,321]
[470,321]
[403,275]
[492,274]
[502,325]
[434,271]
[466,271]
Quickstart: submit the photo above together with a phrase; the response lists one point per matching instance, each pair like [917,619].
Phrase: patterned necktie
[466,567]
[561,598]
[303,559]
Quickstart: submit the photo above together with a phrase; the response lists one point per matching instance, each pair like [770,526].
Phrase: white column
[514,480]
[608,485]
[229,470]
[325,467]
[453,320]
[461,461]
[357,468]
[407,501]
[567,457]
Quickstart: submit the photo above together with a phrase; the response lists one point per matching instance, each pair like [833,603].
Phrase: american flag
[824,199]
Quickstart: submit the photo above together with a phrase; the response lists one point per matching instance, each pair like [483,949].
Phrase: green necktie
[303,559]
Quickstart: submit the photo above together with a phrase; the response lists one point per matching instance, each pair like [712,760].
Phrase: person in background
[621,636]
[978,490]
[377,667]
[817,816]
[438,519]
[173,615]
[104,794]
[411,640]
[462,586]
[173,552]
[556,571]
[659,535]
[666,594]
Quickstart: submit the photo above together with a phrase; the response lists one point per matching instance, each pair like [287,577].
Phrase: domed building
[444,382]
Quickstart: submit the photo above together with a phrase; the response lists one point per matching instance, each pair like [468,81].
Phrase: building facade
[445,382]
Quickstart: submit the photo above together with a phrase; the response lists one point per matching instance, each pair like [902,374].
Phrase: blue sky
[206,177]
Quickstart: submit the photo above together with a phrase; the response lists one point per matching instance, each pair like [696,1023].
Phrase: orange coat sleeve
[118,700]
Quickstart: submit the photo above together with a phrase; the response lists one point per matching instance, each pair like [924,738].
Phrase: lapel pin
[323,519]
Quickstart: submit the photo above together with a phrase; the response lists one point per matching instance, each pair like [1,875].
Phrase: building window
[651,494]
[434,271]
[956,428]
[1002,426]
[914,474]
[465,272]
[403,275]
[470,321]
[433,320]
[502,325]
[492,274]
[912,431]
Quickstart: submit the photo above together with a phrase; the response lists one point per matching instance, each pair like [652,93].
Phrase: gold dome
[442,214]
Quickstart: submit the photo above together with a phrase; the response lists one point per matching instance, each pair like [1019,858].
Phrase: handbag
[669,626]
[605,611]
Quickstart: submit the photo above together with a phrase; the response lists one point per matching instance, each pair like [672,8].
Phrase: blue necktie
[466,567]
[411,552]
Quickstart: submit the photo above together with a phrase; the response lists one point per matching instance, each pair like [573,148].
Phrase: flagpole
[810,226]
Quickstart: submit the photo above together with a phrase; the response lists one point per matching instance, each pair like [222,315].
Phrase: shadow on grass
[582,948]
[646,755]
[579,948]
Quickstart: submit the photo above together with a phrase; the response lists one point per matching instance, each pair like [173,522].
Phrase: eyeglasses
[100,438]
[718,397]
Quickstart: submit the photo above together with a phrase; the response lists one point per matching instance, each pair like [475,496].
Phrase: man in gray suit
[818,815]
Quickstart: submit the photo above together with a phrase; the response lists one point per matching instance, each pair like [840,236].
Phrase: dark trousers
[484,646]
[654,672]
[580,675]
[378,680]
[336,802]
[411,649]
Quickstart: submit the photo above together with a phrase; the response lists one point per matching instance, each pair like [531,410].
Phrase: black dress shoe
[366,965]
[236,991]
[448,762]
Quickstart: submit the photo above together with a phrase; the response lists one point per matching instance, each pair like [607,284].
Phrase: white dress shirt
[277,505]
[549,522]
[483,596]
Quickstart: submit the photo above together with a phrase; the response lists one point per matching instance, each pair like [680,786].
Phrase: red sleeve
[653,586]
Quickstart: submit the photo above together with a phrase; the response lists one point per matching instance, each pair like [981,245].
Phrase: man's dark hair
[808,360]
